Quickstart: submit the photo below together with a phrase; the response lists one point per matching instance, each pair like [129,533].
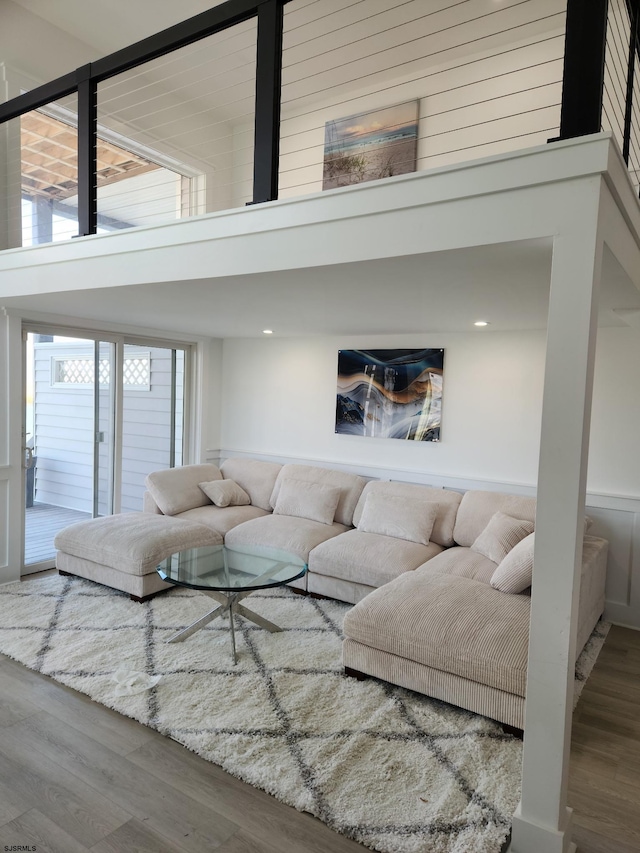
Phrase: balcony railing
[621,101]
[259,98]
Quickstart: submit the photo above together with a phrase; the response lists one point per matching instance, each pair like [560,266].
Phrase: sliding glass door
[152,409]
[99,416]
[59,435]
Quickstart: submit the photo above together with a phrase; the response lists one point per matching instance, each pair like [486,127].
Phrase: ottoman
[122,551]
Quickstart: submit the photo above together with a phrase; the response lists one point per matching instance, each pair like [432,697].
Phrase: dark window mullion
[87,147]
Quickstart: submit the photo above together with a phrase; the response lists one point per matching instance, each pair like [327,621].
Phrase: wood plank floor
[604,781]
[75,776]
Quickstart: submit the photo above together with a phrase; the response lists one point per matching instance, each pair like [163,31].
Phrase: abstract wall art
[390,393]
[370,145]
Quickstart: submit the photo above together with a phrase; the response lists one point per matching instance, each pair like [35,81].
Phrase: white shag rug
[397,771]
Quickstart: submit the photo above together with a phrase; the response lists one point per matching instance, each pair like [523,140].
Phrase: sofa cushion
[176,489]
[350,486]
[295,535]
[477,508]
[392,515]
[449,623]
[256,477]
[316,501]
[225,493]
[368,558]
[462,562]
[447,500]
[222,519]
[132,542]
[515,572]
[501,535]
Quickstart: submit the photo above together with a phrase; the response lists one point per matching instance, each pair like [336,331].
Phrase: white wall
[491,100]
[279,396]
[614,457]
[205,389]
[142,199]
[30,44]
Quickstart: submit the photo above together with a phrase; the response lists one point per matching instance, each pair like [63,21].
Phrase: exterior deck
[42,522]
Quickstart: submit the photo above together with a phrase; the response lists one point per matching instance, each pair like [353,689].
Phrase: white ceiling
[110,26]
[119,23]
[507,285]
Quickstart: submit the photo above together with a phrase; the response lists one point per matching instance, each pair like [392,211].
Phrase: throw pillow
[225,493]
[302,499]
[515,572]
[501,535]
[393,515]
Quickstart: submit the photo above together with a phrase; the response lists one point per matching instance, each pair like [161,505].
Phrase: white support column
[542,822]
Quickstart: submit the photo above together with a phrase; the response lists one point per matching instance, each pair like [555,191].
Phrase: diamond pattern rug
[397,771]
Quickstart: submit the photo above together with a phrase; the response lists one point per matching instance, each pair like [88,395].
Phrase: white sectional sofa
[440,580]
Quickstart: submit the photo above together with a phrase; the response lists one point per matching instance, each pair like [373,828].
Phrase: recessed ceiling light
[267,331]
[481,323]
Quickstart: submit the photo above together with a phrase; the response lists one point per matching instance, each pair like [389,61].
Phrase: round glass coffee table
[228,574]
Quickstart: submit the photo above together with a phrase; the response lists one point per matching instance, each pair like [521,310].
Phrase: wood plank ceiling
[50,158]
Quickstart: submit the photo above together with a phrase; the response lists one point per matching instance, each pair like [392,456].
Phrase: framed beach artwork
[390,393]
[371,145]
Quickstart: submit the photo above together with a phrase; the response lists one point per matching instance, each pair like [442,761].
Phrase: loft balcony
[251,102]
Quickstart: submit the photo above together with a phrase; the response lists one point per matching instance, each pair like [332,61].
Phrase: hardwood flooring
[604,780]
[75,776]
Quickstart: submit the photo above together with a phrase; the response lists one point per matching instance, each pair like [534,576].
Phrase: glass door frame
[111,491]
[118,343]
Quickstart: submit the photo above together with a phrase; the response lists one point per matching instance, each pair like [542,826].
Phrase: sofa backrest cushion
[448,502]
[391,515]
[302,499]
[176,490]
[350,485]
[256,477]
[477,508]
